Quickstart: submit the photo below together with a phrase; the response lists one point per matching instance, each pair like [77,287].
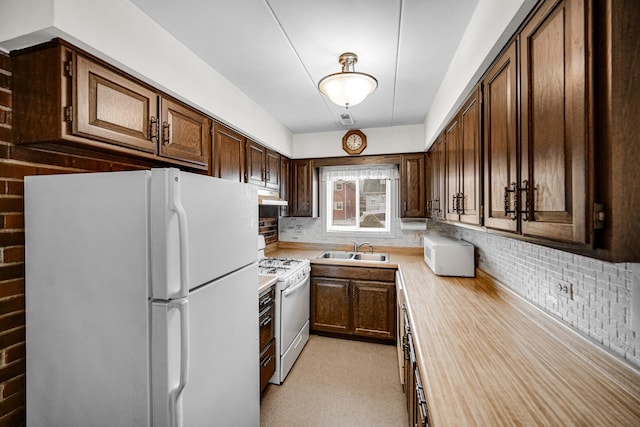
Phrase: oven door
[294,311]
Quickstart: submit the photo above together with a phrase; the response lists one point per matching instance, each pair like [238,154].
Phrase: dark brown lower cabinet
[267,364]
[353,302]
[266,321]
[413,389]
[330,303]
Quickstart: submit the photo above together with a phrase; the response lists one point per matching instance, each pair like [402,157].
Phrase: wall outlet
[565,289]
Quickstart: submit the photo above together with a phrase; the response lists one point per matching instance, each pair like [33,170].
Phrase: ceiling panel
[276,51]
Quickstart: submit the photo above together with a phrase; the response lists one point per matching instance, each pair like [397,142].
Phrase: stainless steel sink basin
[337,255]
[372,257]
[355,256]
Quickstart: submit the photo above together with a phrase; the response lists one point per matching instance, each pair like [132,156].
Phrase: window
[356,200]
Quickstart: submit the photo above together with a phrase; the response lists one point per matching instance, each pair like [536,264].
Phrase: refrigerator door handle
[175,395]
[178,208]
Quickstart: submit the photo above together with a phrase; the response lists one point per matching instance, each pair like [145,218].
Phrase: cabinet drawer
[266,323]
[266,298]
[267,364]
[355,273]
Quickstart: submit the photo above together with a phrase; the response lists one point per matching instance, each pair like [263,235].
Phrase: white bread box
[447,256]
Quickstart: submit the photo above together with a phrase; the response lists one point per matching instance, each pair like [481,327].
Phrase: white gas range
[293,291]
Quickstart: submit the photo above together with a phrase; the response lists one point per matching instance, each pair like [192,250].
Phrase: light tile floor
[337,383]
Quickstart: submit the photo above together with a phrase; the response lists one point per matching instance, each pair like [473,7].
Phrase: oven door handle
[302,283]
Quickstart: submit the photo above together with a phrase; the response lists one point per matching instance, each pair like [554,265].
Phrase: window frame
[389,232]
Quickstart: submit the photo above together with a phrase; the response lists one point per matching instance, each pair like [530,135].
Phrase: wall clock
[354,142]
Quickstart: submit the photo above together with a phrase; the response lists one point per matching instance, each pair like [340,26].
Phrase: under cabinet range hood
[269,198]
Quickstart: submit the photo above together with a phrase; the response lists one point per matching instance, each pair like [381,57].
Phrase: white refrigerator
[141,300]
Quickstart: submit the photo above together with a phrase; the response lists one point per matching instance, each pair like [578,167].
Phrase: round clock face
[354,141]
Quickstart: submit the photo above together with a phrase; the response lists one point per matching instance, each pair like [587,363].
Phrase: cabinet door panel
[412,186]
[256,171]
[555,141]
[185,133]
[452,173]
[272,164]
[301,188]
[469,156]
[285,172]
[330,305]
[428,182]
[228,154]
[110,107]
[374,309]
[439,184]
[501,139]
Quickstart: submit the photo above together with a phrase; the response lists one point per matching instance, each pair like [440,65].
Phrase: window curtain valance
[351,173]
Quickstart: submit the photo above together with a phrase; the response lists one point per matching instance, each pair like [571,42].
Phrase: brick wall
[16,163]
[601,304]
[12,347]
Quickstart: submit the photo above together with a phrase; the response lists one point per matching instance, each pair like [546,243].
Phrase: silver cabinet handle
[266,321]
[265,362]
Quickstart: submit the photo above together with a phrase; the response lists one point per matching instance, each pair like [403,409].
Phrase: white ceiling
[276,51]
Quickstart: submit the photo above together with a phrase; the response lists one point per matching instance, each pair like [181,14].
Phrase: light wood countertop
[489,358]
[265,282]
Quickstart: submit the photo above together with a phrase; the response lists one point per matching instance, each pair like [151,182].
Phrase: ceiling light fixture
[347,88]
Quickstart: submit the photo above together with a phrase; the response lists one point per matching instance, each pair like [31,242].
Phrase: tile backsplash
[309,230]
[601,307]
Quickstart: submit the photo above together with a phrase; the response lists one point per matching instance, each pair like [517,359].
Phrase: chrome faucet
[356,247]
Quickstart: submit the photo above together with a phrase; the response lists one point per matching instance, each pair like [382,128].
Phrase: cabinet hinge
[68,114]
[598,216]
[68,68]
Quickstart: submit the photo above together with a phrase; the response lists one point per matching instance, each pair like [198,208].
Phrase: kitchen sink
[337,255]
[355,256]
[372,257]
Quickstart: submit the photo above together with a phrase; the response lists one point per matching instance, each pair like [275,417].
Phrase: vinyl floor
[337,383]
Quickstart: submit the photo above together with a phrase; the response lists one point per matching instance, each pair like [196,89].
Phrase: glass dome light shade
[347,88]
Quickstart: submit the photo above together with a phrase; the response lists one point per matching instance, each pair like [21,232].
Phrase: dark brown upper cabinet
[109,106]
[263,166]
[65,98]
[412,186]
[185,134]
[429,177]
[463,154]
[501,144]
[615,211]
[272,164]
[301,202]
[435,179]
[555,109]
[228,153]
[285,172]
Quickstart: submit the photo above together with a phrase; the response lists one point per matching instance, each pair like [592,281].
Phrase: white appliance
[447,256]
[141,300]
[292,300]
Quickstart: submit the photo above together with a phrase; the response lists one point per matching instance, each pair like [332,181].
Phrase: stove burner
[280,266]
